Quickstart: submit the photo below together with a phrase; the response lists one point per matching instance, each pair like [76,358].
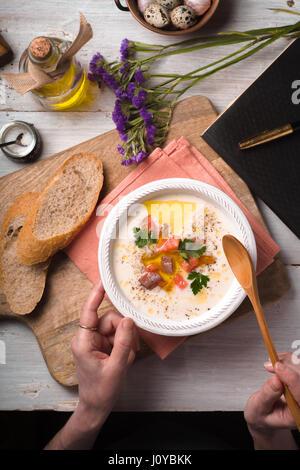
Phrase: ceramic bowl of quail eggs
[171,17]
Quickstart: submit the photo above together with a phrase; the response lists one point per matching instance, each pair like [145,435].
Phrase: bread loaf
[62,209]
[22,285]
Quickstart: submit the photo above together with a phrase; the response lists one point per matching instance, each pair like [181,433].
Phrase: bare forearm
[275,440]
[80,431]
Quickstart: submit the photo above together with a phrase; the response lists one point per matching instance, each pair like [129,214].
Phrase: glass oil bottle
[70,90]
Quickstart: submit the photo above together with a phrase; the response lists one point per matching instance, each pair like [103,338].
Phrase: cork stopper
[40,48]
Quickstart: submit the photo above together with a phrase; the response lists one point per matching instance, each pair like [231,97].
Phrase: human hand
[267,408]
[102,358]
[266,411]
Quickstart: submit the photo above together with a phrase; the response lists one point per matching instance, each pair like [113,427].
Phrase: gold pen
[269,135]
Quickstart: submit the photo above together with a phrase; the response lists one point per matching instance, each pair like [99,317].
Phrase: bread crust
[21,207]
[32,250]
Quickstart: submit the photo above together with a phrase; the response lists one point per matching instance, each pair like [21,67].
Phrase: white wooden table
[219,370]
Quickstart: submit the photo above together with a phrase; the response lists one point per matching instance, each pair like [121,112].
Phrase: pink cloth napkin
[178,160]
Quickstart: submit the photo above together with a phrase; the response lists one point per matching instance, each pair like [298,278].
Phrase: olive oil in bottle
[66,92]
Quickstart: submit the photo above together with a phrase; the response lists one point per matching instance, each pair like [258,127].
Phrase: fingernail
[279,366]
[268,364]
[128,324]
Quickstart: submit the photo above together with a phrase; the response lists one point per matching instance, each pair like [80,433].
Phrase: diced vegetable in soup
[168,258]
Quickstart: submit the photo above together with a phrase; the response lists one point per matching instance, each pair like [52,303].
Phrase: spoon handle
[5,144]
[291,402]
[264,329]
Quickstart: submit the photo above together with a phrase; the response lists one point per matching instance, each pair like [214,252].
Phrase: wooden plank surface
[63,130]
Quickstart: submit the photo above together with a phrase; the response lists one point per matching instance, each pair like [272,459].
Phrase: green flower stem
[233,39]
[172,77]
[187,76]
[284,10]
[227,64]
[252,34]
[196,48]
[137,45]
[196,79]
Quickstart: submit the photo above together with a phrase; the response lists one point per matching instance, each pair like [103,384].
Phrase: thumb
[269,395]
[122,344]
[290,377]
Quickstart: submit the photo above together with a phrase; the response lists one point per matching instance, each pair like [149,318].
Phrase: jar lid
[30,139]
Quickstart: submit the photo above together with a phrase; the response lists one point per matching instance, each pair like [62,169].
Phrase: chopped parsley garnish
[190,249]
[199,281]
[142,238]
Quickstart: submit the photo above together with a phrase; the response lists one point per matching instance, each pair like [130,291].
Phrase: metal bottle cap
[31,139]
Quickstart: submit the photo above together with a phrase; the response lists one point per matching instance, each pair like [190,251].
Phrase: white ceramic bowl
[207,320]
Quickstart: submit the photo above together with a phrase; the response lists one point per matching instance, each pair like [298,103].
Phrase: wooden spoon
[242,267]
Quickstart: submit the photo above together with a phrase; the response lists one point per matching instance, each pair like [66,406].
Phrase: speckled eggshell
[199,6]
[157,16]
[169,4]
[183,17]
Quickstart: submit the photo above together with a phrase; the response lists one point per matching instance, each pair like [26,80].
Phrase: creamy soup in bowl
[161,259]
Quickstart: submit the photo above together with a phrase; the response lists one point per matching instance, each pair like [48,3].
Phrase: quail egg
[157,15]
[169,4]
[183,17]
[199,6]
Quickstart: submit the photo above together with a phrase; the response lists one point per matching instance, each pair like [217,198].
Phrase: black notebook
[271,170]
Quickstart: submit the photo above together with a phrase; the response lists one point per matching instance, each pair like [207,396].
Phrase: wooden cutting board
[55,320]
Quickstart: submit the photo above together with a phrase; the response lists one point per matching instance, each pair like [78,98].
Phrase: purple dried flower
[109,80]
[151,131]
[120,149]
[130,90]
[98,69]
[127,162]
[140,156]
[150,128]
[91,77]
[122,95]
[138,100]
[124,49]
[139,77]
[124,68]
[146,115]
[118,117]
[96,57]
[101,72]
[124,136]
[94,61]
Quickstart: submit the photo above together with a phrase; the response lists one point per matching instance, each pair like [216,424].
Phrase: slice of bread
[22,285]
[62,209]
